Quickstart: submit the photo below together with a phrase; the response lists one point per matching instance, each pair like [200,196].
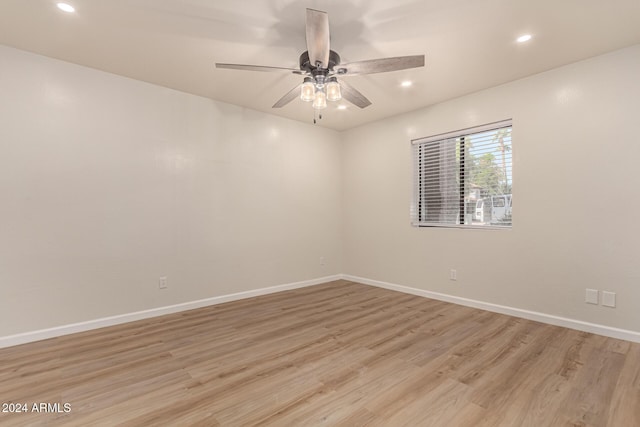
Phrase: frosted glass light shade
[333,91]
[307,91]
[320,101]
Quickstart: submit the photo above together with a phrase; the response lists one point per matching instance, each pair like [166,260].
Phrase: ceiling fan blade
[318,38]
[259,68]
[288,97]
[352,95]
[383,65]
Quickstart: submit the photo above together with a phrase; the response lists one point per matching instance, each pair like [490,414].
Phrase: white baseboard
[11,340]
[594,328]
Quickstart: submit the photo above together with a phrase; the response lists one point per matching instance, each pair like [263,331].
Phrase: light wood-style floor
[338,354]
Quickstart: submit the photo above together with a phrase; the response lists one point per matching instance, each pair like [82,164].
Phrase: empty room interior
[300,213]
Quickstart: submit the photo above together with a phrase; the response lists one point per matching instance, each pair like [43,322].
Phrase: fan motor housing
[334,59]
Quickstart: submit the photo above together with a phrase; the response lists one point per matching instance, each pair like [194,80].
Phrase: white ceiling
[469,44]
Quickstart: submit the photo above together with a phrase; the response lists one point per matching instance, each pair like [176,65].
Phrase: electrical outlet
[162,282]
[591,296]
[453,274]
[608,299]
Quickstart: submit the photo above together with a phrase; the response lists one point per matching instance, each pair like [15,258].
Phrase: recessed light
[406,83]
[342,107]
[524,38]
[66,7]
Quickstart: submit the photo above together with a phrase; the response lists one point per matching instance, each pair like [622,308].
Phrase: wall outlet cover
[591,296]
[608,299]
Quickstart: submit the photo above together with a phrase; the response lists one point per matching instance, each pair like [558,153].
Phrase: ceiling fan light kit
[333,90]
[307,90]
[321,67]
[320,100]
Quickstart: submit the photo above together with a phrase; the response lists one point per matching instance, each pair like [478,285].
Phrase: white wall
[576,148]
[108,183]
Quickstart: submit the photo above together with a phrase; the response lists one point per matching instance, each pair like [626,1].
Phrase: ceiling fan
[321,68]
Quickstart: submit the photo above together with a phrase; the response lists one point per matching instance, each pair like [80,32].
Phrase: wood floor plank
[339,353]
[627,392]
[593,390]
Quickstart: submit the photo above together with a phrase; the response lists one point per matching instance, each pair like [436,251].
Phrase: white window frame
[443,139]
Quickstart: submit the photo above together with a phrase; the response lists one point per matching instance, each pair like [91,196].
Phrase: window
[464,179]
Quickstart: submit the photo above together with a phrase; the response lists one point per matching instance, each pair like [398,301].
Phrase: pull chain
[318,115]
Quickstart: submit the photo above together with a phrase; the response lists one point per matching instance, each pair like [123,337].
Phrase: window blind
[464,178]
